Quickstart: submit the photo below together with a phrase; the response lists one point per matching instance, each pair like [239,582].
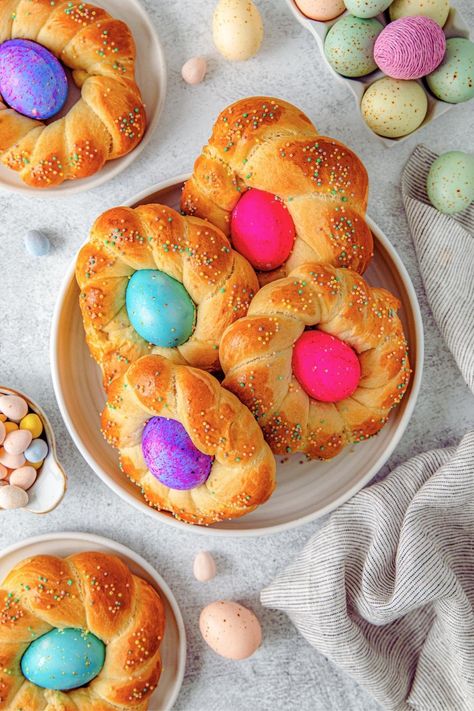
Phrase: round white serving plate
[151,78]
[305,490]
[173,647]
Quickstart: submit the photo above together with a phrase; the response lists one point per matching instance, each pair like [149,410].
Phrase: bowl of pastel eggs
[31,476]
[406,61]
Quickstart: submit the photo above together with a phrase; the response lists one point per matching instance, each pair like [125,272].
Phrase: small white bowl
[173,648]
[51,483]
[455,26]
[304,491]
[151,79]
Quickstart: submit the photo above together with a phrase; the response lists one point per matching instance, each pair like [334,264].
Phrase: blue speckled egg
[453,80]
[171,455]
[32,80]
[63,659]
[159,308]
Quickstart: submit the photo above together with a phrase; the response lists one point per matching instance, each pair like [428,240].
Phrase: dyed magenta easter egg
[171,455]
[32,80]
[326,368]
[262,229]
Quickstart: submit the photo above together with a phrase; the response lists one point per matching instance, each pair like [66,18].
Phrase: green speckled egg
[367,8]
[453,80]
[450,183]
[393,107]
[349,46]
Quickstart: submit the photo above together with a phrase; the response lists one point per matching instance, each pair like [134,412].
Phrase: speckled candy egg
[230,629]
[453,80]
[32,80]
[159,308]
[237,29]
[63,659]
[367,8]
[171,455]
[450,183]
[438,10]
[349,45]
[393,107]
[322,10]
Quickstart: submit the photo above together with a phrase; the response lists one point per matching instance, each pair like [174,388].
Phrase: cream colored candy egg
[230,629]
[438,10]
[12,497]
[17,442]
[24,477]
[322,10]
[237,29]
[204,567]
[394,108]
[194,70]
[14,407]
[12,461]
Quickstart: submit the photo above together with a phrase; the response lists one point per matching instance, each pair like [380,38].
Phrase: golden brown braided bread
[242,475]
[266,143]
[256,355]
[95,592]
[109,119]
[123,240]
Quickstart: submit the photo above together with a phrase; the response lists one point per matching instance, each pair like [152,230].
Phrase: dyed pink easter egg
[410,48]
[262,229]
[325,367]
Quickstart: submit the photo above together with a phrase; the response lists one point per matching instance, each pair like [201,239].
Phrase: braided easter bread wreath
[123,240]
[242,473]
[109,119]
[269,145]
[95,593]
[257,357]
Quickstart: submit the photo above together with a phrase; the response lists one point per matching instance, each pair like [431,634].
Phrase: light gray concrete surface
[286,673]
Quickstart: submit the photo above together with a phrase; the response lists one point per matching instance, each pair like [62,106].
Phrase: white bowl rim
[137,558]
[256,531]
[72,187]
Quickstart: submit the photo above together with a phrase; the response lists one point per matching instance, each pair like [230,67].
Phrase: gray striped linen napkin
[385,589]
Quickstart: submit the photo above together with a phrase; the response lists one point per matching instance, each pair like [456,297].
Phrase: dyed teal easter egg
[349,46]
[453,80]
[450,183]
[63,659]
[159,308]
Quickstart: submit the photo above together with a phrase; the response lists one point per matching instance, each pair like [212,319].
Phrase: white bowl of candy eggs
[31,476]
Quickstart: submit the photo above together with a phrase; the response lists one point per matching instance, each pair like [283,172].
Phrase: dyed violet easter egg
[32,80]
[325,367]
[159,308]
[410,48]
[63,659]
[171,455]
[262,229]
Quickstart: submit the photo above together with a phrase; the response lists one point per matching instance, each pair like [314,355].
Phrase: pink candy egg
[17,442]
[24,477]
[14,407]
[194,70]
[410,48]
[11,461]
[262,229]
[325,367]
[204,567]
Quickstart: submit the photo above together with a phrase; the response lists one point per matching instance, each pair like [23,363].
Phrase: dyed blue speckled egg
[63,659]
[171,456]
[159,308]
[32,80]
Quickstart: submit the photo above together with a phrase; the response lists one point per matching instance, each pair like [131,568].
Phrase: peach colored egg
[230,629]
[14,407]
[194,70]
[204,567]
[321,10]
[12,497]
[3,471]
[12,461]
[3,432]
[24,477]
[17,442]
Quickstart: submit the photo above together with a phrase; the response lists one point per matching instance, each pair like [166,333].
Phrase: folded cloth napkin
[386,589]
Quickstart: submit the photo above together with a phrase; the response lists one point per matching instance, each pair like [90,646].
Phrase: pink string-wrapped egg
[410,48]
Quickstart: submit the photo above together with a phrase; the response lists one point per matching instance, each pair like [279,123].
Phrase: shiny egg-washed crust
[92,591]
[220,282]
[107,121]
[243,471]
[256,355]
[266,143]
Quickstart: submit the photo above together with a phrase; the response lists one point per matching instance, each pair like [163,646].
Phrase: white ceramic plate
[454,27]
[151,78]
[173,648]
[306,490]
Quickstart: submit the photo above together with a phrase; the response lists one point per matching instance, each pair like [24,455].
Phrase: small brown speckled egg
[230,629]
[349,45]
[438,10]
[322,10]
[394,108]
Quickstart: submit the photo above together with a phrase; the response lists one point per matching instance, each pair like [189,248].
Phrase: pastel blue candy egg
[37,451]
[63,659]
[159,308]
[37,243]
[32,80]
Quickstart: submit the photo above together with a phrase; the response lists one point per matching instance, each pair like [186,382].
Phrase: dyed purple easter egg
[171,456]
[32,80]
